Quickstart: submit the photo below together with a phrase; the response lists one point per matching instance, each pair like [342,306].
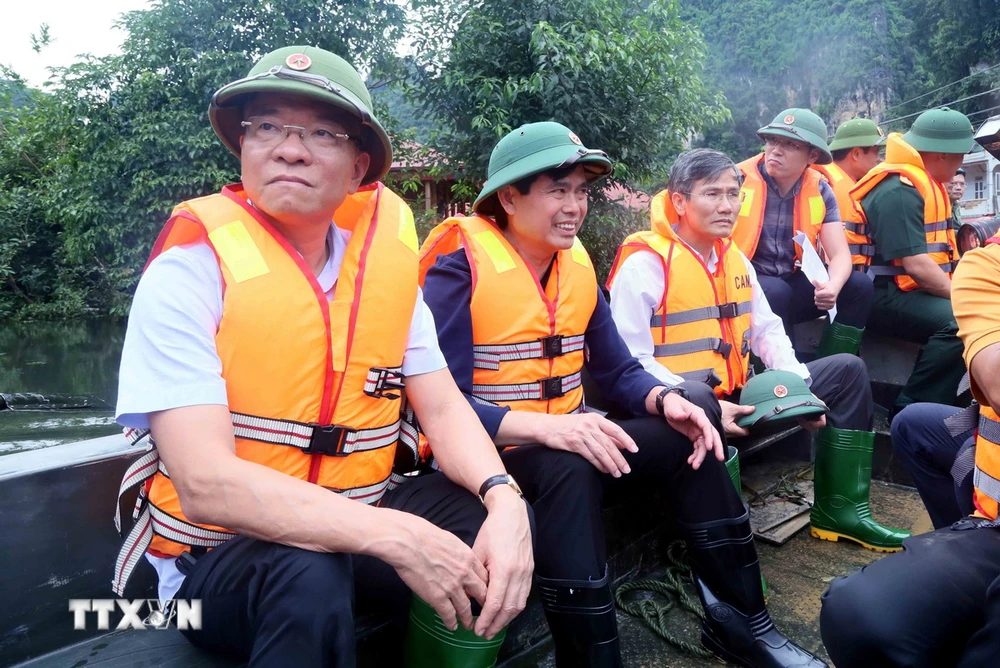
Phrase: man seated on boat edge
[519,315]
[244,292]
[668,289]
[936,603]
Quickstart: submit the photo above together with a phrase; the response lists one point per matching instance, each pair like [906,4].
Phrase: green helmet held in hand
[778,396]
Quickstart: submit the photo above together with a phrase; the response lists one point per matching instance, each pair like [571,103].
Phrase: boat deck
[797,574]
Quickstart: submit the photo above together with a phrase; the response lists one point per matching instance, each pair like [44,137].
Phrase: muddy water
[78,359]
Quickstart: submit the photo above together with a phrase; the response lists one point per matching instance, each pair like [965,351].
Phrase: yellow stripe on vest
[502,261]
[580,253]
[747,202]
[407,230]
[237,250]
[817,209]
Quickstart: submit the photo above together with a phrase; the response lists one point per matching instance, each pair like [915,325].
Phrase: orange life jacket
[313,385]
[527,340]
[701,328]
[810,210]
[986,475]
[855,227]
[903,160]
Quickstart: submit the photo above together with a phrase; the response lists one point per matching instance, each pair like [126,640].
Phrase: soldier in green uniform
[909,214]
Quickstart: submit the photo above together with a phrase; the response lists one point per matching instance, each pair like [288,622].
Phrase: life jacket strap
[866,250]
[728,310]
[707,376]
[381,380]
[693,346]
[856,228]
[542,389]
[489,357]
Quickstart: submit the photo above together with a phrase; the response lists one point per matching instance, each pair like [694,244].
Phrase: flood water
[78,359]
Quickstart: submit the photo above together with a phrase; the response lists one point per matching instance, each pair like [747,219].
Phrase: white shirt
[169,359]
[636,295]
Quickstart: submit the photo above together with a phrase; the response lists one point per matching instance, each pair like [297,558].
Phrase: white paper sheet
[812,266]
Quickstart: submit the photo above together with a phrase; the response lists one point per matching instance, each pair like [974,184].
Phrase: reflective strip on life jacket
[728,310]
[544,389]
[986,477]
[490,356]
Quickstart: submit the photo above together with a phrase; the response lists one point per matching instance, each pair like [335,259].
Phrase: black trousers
[841,382]
[935,604]
[566,492]
[792,298]
[276,605]
[928,450]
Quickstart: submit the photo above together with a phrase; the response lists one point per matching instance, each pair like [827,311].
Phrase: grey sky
[76,26]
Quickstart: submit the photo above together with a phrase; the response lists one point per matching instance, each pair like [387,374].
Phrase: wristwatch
[503,479]
[664,392]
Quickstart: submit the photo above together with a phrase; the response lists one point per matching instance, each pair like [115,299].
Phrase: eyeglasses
[785,144]
[268,132]
[716,198]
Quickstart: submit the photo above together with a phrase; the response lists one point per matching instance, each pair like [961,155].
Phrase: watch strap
[493,481]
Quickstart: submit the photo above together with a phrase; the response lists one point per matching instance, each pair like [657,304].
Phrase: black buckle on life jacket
[328,439]
[551,346]
[725,348]
[551,387]
[388,379]
[728,310]
[713,380]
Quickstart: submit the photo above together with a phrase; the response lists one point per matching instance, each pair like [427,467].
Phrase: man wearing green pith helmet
[266,353]
[906,205]
[784,197]
[520,316]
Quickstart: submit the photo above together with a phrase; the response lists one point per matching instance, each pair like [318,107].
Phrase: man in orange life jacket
[688,304]
[519,314]
[937,603]
[783,197]
[266,351]
[855,150]
[908,211]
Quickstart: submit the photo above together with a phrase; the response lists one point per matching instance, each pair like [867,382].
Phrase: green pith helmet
[857,133]
[803,125]
[310,72]
[941,131]
[777,396]
[534,148]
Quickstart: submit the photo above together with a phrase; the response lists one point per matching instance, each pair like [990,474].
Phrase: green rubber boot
[839,338]
[429,643]
[842,481]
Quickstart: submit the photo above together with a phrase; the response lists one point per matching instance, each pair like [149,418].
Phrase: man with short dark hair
[689,305]
[956,191]
[272,337]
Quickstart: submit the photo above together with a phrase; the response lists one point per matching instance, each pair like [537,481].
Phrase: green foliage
[840,57]
[624,75]
[90,170]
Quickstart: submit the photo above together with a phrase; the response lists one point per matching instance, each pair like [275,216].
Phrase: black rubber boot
[581,616]
[737,626]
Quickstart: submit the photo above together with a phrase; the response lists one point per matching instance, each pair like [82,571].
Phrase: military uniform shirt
[895,213]
[775,254]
